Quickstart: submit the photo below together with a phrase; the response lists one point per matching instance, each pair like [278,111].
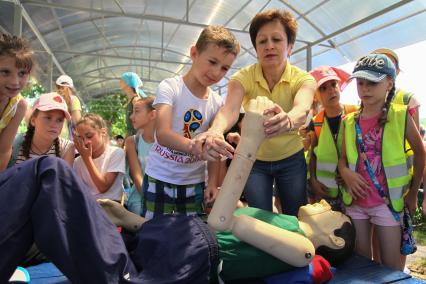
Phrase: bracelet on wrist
[290,123]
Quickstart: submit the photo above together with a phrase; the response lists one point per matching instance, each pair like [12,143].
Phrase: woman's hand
[356,185]
[279,122]
[85,151]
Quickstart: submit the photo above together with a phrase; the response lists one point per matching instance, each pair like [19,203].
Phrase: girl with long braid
[373,164]
[44,128]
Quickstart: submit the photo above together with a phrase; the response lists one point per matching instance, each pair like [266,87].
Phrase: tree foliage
[112,108]
[33,89]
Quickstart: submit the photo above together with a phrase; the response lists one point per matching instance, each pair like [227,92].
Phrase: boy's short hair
[18,48]
[287,20]
[220,36]
[338,256]
[148,102]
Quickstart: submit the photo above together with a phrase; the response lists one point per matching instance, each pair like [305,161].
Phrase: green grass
[420,233]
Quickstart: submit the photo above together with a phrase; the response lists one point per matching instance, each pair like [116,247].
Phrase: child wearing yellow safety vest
[373,163]
[326,135]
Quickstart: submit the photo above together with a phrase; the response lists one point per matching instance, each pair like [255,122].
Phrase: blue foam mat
[357,270]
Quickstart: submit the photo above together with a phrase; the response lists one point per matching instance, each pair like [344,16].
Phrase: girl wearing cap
[373,164]
[42,137]
[64,87]
[326,135]
[131,85]
[16,62]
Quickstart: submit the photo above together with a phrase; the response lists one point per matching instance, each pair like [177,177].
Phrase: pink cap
[323,74]
[51,101]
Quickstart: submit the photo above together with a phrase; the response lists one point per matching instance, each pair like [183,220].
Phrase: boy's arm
[416,143]
[213,139]
[213,169]
[7,136]
[134,165]
[164,132]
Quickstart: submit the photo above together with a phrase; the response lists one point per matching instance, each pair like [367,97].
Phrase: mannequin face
[323,222]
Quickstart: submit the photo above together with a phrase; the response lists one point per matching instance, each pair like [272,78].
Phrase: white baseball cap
[65,80]
[51,101]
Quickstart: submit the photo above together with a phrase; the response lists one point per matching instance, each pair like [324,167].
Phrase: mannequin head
[331,232]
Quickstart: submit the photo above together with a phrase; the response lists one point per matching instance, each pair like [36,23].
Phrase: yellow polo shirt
[254,84]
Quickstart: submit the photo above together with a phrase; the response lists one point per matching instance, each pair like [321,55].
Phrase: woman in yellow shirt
[280,158]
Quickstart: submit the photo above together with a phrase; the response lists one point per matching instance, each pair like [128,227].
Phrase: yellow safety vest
[403,98]
[393,155]
[327,151]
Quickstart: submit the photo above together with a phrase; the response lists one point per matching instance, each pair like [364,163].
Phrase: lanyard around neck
[373,177]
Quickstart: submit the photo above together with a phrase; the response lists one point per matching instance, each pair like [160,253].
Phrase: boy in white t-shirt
[174,181]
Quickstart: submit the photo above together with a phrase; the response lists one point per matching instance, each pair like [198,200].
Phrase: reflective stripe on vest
[393,154]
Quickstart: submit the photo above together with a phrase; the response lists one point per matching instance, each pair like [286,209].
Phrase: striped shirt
[64,146]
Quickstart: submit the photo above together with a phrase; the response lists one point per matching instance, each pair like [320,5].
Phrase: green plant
[33,89]
[112,108]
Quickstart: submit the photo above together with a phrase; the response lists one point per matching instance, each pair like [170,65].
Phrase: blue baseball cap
[132,80]
[374,67]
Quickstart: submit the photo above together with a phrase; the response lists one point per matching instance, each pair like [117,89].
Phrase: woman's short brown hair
[286,19]
[18,48]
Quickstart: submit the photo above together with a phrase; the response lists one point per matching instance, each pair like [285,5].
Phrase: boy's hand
[211,146]
[320,189]
[303,131]
[356,185]
[210,194]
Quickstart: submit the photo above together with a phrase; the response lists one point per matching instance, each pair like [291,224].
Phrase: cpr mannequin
[318,222]
[290,247]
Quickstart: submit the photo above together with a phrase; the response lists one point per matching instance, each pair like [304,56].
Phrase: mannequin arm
[287,246]
[252,135]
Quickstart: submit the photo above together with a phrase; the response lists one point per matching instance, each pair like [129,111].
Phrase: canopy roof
[96,41]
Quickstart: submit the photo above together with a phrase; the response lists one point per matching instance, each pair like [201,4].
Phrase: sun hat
[132,80]
[374,68]
[323,74]
[65,80]
[388,52]
[52,101]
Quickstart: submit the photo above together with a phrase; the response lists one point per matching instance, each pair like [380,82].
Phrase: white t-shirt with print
[191,116]
[111,161]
